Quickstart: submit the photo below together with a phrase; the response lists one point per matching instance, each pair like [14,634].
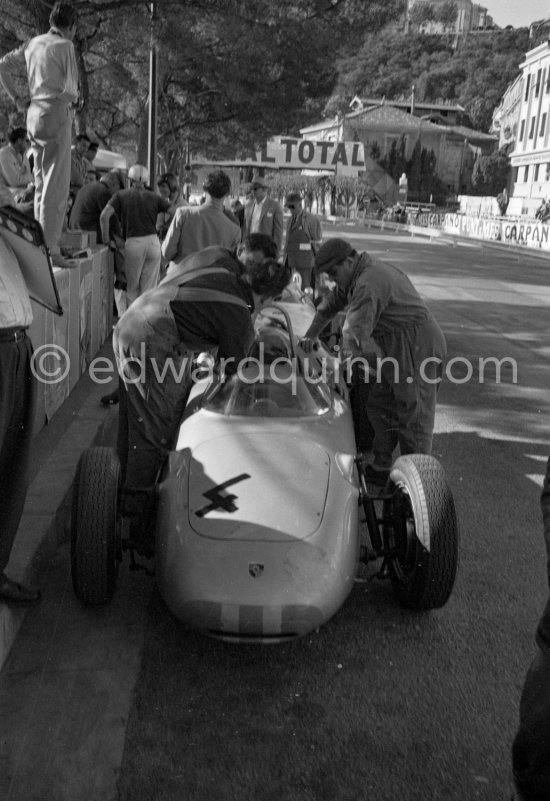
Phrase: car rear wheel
[95,526]
[421,531]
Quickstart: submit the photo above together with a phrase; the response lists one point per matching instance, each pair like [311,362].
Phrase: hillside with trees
[474,75]
[231,73]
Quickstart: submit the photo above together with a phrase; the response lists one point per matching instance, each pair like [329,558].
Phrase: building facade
[470,17]
[455,147]
[530,158]
[506,116]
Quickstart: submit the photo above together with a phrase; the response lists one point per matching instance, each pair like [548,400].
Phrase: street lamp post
[153,99]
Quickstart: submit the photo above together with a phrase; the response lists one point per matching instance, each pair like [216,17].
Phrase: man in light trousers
[50,64]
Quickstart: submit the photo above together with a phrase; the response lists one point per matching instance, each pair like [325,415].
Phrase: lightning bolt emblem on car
[219,501]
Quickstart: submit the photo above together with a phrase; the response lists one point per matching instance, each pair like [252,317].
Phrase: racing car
[258,536]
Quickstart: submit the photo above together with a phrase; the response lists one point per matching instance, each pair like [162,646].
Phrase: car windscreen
[274,390]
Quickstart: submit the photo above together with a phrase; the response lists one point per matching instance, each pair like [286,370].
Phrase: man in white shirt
[50,64]
[15,170]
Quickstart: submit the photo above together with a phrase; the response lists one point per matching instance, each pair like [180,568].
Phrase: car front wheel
[95,526]
[421,532]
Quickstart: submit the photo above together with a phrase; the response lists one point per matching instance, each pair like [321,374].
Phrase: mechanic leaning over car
[205,304]
[385,317]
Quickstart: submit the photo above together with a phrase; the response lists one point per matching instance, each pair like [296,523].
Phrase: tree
[345,188]
[446,14]
[394,161]
[374,151]
[428,163]
[212,97]
[474,75]
[422,13]
[490,174]
[414,169]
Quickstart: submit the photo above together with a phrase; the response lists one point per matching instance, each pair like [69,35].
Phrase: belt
[12,334]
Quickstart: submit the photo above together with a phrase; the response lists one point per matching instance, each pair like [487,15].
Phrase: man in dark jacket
[263,215]
[531,748]
[205,305]
[303,239]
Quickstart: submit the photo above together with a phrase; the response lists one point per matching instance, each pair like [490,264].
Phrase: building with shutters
[530,158]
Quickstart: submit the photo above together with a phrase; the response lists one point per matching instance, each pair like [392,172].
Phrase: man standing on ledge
[50,64]
[385,317]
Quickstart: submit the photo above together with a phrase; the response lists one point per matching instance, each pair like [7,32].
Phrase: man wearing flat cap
[385,317]
[303,237]
[264,215]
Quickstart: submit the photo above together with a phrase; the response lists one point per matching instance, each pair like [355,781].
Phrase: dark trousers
[359,398]
[531,748]
[17,403]
[148,424]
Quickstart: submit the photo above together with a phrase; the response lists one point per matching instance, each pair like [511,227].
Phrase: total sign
[345,158]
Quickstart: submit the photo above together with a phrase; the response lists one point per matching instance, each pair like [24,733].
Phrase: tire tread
[434,509]
[94,553]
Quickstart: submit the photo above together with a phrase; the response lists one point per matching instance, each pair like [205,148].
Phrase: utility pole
[153,98]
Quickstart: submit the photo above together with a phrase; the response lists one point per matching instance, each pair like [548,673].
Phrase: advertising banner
[346,158]
[530,234]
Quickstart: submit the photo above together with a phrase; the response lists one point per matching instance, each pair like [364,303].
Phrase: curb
[80,423]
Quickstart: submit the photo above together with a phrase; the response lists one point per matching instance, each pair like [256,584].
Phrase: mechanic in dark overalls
[385,319]
[303,238]
[204,305]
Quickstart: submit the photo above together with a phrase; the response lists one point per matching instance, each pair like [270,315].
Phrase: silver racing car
[258,536]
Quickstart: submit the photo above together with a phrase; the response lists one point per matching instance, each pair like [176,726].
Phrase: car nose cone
[236,486]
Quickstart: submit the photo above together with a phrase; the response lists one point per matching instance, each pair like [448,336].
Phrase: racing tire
[420,523]
[96,549]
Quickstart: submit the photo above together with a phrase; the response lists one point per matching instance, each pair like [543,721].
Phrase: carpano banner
[531,234]
[346,158]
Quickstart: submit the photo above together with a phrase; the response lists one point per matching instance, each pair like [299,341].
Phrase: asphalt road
[432,700]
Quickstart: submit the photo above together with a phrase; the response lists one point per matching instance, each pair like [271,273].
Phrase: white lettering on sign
[293,153]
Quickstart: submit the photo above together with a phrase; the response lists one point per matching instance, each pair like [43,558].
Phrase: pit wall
[66,345]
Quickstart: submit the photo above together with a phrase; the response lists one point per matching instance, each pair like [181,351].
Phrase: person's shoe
[11,592]
[376,477]
[60,261]
[111,399]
